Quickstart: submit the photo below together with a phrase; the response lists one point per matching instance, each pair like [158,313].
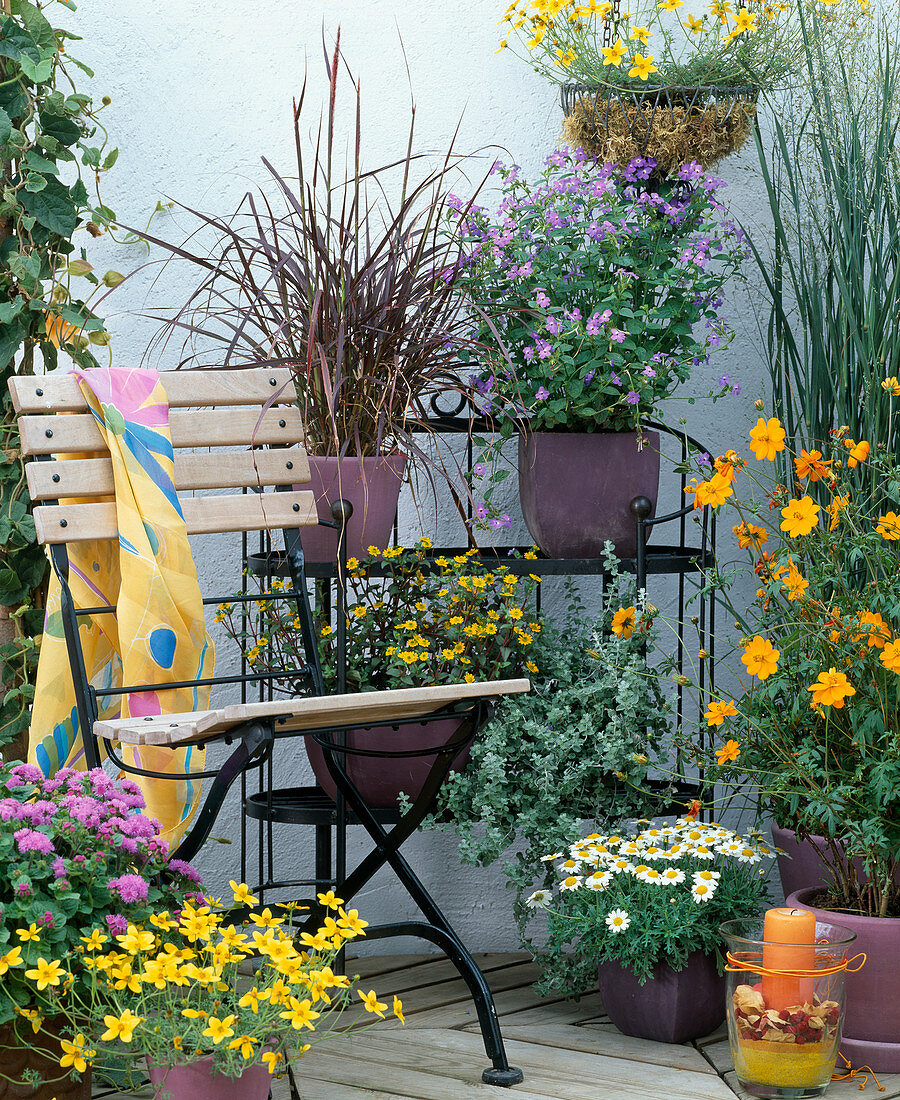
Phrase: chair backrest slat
[73,433]
[93,477]
[68,523]
[185,389]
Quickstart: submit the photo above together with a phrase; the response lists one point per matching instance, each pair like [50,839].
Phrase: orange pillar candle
[789,937]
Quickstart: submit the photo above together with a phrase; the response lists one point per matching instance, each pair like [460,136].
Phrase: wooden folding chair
[238,457]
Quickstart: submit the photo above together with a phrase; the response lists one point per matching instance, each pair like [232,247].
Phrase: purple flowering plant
[595,296]
[77,854]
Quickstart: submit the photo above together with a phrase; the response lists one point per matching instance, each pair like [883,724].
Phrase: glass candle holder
[785,1051]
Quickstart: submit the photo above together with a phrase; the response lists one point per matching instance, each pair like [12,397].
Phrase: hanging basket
[673,125]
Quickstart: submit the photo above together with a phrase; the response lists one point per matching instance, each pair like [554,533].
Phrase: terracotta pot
[576,490]
[16,1058]
[801,866]
[372,485]
[196,1081]
[872,1016]
[380,779]
[672,1006]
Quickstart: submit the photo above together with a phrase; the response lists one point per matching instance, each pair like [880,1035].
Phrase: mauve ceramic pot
[805,869]
[380,779]
[372,485]
[872,1016]
[196,1081]
[16,1059]
[671,1006]
[576,490]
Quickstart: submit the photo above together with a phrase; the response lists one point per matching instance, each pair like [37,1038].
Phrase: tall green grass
[832,271]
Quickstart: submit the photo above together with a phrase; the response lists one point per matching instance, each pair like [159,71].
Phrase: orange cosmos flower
[767,438]
[859,452]
[748,534]
[718,711]
[878,634]
[760,657]
[890,656]
[810,465]
[889,526]
[801,516]
[623,622]
[795,584]
[834,509]
[831,689]
[731,750]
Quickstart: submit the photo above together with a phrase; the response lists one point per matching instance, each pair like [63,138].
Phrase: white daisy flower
[599,880]
[672,875]
[638,869]
[538,898]
[702,852]
[621,866]
[653,853]
[549,859]
[651,875]
[748,855]
[706,876]
[702,891]
[617,920]
[569,867]
[572,882]
[732,848]
[629,849]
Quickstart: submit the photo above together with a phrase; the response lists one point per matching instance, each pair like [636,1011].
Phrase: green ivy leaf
[37,72]
[36,22]
[58,126]
[5,127]
[38,163]
[35,182]
[53,208]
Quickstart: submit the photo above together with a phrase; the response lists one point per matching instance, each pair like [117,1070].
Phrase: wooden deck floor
[567,1051]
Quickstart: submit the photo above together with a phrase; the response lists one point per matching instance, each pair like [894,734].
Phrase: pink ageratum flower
[129,887]
[117,924]
[32,840]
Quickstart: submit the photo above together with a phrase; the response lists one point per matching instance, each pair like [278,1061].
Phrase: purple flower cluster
[77,852]
[588,277]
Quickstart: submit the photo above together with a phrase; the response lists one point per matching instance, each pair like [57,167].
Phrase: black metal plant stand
[268,805]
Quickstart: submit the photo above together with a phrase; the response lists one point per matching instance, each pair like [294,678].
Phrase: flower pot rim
[642,91]
[799,897]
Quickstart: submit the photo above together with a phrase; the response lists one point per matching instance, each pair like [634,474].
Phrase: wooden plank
[60,392]
[320,712]
[370,966]
[93,477]
[437,971]
[442,995]
[457,1015]
[392,1060]
[79,432]
[556,1012]
[609,1043]
[56,523]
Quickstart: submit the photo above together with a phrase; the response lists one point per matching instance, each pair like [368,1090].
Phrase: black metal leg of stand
[438,929]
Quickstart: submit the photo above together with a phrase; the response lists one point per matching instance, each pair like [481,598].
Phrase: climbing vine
[53,147]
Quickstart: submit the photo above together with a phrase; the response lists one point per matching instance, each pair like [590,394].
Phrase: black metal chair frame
[257,739]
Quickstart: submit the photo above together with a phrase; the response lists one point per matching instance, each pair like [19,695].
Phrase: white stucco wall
[201,89]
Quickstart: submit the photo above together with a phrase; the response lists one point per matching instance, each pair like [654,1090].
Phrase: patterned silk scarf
[157,632]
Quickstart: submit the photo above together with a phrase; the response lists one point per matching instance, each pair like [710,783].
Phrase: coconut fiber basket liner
[673,125]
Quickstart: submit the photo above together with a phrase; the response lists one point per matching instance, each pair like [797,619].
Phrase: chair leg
[437,929]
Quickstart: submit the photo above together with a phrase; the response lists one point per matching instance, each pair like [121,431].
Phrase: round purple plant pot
[380,779]
[872,1016]
[196,1081]
[372,485]
[672,1006]
[802,866]
[576,489]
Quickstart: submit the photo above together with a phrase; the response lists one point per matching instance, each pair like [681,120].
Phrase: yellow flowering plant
[191,984]
[412,619]
[815,733]
[753,44]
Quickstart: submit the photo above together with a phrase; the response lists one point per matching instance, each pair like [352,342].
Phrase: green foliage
[46,128]
[832,272]
[576,748]
[656,896]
